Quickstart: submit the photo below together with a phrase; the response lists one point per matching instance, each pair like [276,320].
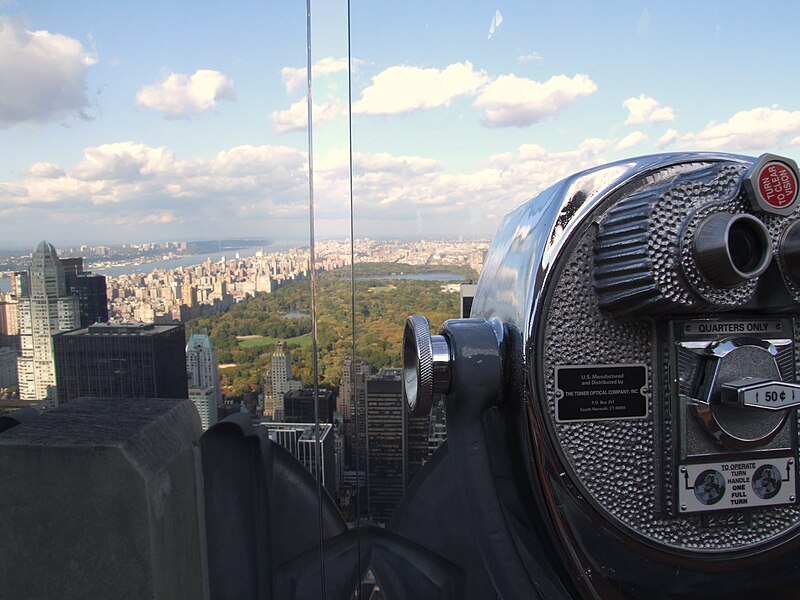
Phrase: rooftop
[129,329]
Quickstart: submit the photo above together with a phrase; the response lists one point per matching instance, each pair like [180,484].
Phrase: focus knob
[427,365]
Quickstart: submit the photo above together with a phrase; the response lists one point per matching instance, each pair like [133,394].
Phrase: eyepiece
[731,249]
[790,252]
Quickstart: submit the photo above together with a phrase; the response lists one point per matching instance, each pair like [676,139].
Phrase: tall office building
[396,446]
[338,452]
[415,442]
[20,283]
[44,309]
[385,456]
[300,439]
[278,382]
[9,322]
[8,367]
[351,404]
[189,294]
[90,290]
[353,374]
[201,364]
[131,360]
[204,400]
[72,265]
[437,429]
[298,405]
[203,374]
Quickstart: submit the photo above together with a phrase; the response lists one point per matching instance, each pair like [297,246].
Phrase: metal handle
[758,392]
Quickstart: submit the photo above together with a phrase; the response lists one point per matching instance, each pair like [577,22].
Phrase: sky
[157,121]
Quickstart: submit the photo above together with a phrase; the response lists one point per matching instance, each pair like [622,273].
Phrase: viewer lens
[745,245]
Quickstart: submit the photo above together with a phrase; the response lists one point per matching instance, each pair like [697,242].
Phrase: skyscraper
[131,360]
[353,374]
[207,408]
[396,443]
[299,405]
[203,374]
[278,382]
[351,404]
[8,367]
[201,364]
[415,442]
[9,323]
[437,430]
[300,439]
[90,290]
[44,309]
[385,454]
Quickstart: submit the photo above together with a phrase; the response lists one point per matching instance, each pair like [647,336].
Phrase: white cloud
[759,129]
[158,218]
[391,191]
[294,78]
[45,170]
[507,101]
[402,89]
[143,191]
[530,57]
[42,74]
[179,96]
[645,109]
[630,140]
[295,118]
[123,161]
[383,179]
[511,101]
[668,138]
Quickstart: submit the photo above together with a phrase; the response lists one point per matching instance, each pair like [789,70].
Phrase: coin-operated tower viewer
[622,405]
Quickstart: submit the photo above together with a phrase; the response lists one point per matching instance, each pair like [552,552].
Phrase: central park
[245,336]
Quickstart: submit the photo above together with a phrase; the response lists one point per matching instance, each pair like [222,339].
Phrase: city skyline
[152,126]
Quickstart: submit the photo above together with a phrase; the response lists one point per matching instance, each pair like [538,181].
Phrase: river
[171,263]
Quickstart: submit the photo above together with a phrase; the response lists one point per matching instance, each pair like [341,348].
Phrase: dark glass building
[385,456]
[397,444]
[415,442]
[133,360]
[90,290]
[92,297]
[299,405]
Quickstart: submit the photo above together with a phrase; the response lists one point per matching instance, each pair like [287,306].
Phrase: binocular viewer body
[632,348]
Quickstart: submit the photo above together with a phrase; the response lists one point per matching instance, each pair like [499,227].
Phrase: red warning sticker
[777,184]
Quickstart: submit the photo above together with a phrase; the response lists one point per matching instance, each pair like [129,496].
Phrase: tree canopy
[381,308]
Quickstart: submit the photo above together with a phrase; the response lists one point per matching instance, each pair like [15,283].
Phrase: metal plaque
[708,327]
[736,484]
[596,392]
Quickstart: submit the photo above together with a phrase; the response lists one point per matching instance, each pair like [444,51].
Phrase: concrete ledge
[98,499]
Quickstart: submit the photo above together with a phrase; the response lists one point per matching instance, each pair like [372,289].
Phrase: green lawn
[252,342]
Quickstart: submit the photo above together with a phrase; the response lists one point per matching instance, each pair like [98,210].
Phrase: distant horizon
[6,250]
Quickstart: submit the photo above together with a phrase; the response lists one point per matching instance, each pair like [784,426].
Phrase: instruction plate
[736,484]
